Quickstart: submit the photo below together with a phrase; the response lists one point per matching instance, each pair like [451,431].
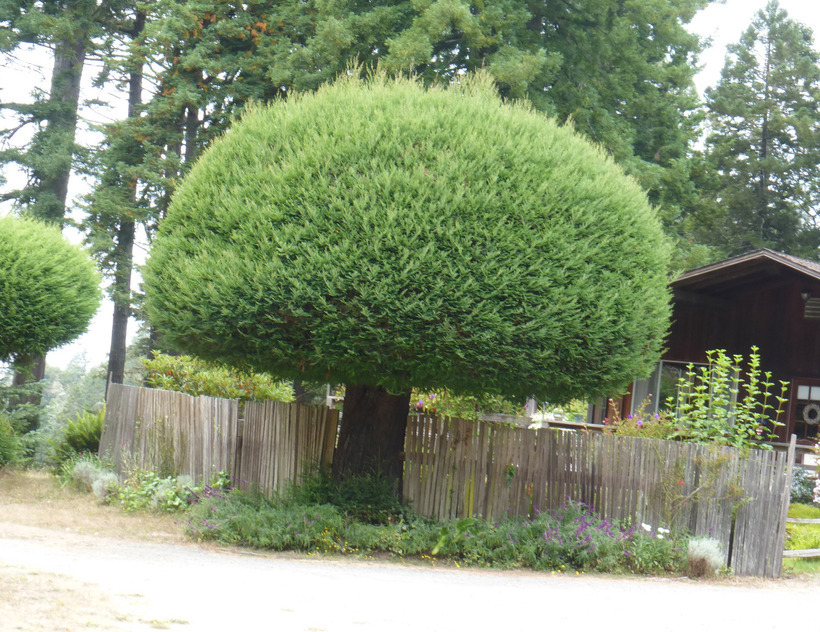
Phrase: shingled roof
[751,267]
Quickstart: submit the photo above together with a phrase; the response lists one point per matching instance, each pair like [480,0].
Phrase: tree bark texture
[121,293]
[64,99]
[371,438]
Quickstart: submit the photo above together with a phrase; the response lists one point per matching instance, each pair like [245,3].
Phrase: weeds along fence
[457,469]
[264,445]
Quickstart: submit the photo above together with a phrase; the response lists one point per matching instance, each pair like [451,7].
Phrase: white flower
[646,527]
[660,536]
[662,530]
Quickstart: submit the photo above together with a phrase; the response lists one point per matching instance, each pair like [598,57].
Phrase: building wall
[768,314]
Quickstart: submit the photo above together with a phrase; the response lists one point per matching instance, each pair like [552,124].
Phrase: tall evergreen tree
[113,212]
[761,169]
[71,30]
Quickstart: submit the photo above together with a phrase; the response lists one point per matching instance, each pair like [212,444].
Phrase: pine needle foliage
[49,288]
[377,232]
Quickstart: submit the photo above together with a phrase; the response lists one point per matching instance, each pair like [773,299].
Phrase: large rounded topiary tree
[387,236]
[49,289]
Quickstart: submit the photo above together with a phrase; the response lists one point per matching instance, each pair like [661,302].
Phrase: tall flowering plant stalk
[727,404]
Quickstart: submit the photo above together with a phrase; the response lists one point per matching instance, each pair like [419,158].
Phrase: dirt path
[54,579]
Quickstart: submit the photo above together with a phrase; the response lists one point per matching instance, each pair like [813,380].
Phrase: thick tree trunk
[52,188]
[371,439]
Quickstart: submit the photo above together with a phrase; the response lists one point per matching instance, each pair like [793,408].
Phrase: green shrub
[50,289]
[443,402]
[802,490]
[197,377]
[727,402]
[145,490]
[573,538]
[86,472]
[80,435]
[368,498]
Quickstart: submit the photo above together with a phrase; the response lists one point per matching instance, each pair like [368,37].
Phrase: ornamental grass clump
[704,557]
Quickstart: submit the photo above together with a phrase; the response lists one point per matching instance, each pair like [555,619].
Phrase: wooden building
[762,298]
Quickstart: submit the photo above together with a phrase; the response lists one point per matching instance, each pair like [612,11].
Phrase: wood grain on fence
[175,433]
[457,469]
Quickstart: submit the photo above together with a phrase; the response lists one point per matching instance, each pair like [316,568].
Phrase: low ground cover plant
[573,538]
[362,516]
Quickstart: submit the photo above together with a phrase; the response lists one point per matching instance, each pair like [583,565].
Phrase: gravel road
[57,580]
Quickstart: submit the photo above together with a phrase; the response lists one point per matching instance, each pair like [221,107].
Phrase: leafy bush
[81,435]
[144,490]
[724,403]
[88,473]
[659,425]
[369,498]
[728,403]
[802,490]
[443,402]
[198,377]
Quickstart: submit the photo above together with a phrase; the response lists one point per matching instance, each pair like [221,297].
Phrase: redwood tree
[385,236]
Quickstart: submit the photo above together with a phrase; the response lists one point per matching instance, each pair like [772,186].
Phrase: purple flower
[640,424]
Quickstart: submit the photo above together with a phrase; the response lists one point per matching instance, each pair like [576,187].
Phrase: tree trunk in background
[51,191]
[121,297]
[371,438]
[121,292]
[28,371]
[47,197]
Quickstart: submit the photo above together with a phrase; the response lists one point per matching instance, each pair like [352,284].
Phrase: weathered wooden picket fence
[456,468]
[265,445]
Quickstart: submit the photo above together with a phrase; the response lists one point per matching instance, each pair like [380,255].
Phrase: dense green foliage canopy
[379,233]
[49,289]
[761,180]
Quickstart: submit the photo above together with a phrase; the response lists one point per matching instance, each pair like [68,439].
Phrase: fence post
[784,510]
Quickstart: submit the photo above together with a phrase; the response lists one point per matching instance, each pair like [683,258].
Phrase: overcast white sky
[722,23]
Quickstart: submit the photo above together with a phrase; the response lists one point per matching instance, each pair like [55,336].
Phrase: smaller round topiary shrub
[49,288]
